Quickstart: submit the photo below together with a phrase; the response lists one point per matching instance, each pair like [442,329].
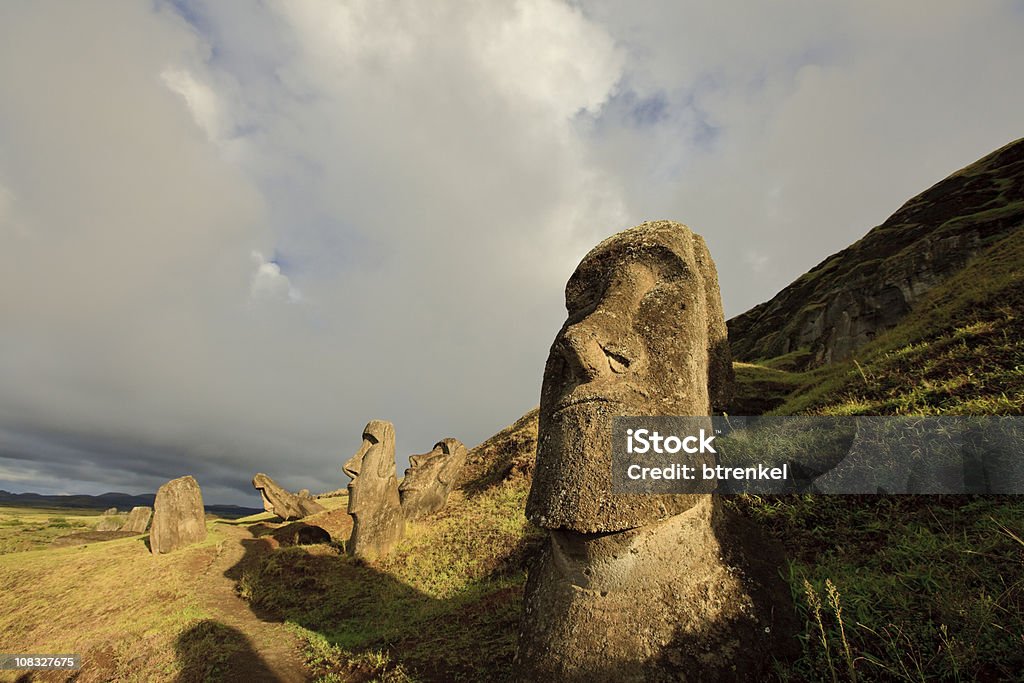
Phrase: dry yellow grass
[114,603]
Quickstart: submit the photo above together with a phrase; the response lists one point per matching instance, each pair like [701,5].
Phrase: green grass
[113,602]
[930,588]
[959,352]
[23,529]
[444,605]
[912,588]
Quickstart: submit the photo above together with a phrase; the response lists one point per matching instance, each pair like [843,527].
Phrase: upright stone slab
[179,518]
[138,519]
[430,478]
[373,500]
[280,502]
[635,587]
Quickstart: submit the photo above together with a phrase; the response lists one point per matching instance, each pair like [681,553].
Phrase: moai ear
[384,464]
[447,472]
[455,455]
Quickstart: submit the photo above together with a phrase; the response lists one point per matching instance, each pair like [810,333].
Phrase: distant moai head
[430,478]
[372,468]
[645,335]
[260,483]
[279,501]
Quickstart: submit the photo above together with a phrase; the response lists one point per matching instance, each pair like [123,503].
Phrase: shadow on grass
[211,651]
[363,621]
[362,624]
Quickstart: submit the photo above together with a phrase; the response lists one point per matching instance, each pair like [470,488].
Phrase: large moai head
[645,335]
[430,478]
[373,499]
[637,587]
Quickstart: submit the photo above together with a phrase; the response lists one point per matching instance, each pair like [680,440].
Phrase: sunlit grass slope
[961,351]
[112,602]
[914,588]
[443,606]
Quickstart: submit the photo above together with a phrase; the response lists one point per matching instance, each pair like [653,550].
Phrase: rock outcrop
[280,502]
[373,499]
[430,478]
[860,292]
[635,587]
[138,520]
[179,518]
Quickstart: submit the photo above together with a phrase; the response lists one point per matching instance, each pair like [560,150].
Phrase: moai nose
[351,468]
[582,350]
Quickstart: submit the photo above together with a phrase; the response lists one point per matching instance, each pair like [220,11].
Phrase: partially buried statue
[635,587]
[280,502]
[373,500]
[430,478]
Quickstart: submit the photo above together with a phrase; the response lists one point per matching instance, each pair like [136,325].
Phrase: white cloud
[201,101]
[268,282]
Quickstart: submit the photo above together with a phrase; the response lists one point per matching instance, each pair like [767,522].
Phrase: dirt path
[278,648]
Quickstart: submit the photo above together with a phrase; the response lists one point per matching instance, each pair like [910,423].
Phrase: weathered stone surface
[636,587]
[138,520]
[860,292]
[280,502]
[110,511]
[373,499]
[430,478]
[179,518]
[304,493]
[645,336]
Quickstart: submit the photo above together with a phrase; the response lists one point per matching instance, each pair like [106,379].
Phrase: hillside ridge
[869,287]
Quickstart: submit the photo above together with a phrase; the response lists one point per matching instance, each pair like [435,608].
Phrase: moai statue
[634,587]
[373,500]
[430,478]
[179,518]
[280,502]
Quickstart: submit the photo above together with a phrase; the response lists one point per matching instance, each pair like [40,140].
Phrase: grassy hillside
[443,606]
[132,616]
[961,351]
[867,288]
[915,588]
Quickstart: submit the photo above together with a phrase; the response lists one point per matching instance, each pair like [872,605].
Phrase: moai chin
[373,500]
[431,477]
[634,587]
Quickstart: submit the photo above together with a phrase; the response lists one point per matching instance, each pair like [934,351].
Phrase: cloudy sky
[231,233]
